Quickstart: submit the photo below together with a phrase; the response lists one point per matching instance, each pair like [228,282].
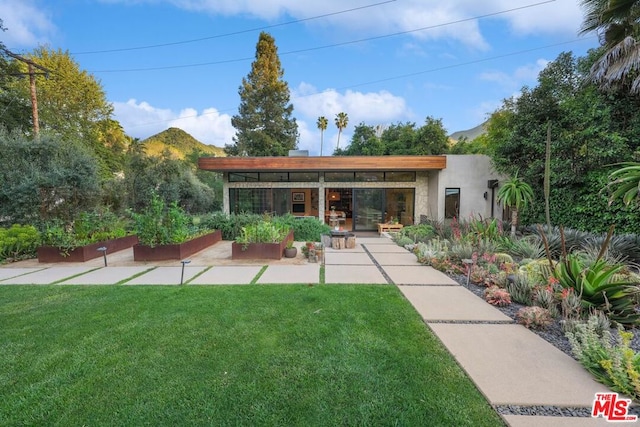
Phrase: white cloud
[27,25]
[451,20]
[372,108]
[141,120]
[525,75]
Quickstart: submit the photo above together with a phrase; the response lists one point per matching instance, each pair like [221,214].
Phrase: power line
[399,33]
[398,77]
[235,33]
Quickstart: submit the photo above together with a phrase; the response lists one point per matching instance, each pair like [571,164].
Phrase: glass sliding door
[368,210]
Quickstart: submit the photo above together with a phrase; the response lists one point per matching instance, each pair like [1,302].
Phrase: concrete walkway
[509,364]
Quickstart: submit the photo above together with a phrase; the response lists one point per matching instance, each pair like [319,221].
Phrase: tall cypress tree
[264,126]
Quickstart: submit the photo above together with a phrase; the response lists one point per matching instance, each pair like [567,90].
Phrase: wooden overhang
[325,163]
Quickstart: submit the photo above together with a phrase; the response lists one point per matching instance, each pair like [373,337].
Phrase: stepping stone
[513,366]
[47,276]
[417,275]
[405,258]
[165,276]
[367,274]
[434,303]
[106,276]
[6,273]
[309,273]
[391,248]
[343,257]
[228,275]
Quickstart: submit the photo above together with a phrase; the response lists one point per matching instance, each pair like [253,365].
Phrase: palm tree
[341,123]
[616,22]
[627,181]
[322,125]
[516,194]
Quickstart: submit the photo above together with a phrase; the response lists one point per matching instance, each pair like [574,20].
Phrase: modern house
[362,190]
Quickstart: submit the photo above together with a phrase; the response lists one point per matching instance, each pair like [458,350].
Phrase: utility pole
[32,84]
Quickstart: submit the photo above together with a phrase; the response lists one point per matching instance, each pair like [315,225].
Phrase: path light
[184,262]
[468,263]
[103,249]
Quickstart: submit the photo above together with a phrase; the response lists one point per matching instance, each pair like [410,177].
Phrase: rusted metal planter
[260,250]
[176,251]
[85,253]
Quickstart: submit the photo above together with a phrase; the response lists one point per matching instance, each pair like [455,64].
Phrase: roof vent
[298,153]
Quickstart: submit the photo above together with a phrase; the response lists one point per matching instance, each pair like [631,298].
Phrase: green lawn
[226,355]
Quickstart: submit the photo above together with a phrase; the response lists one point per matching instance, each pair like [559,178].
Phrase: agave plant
[625,183]
[596,288]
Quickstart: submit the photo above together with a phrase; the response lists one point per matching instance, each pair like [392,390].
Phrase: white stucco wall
[470,173]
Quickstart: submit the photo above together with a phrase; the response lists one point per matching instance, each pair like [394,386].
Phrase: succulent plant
[534,317]
[495,295]
[521,289]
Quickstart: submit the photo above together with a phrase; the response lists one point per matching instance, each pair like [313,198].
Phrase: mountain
[470,134]
[179,143]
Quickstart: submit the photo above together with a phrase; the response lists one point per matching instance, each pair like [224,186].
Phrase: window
[243,176]
[338,176]
[452,203]
[369,176]
[400,176]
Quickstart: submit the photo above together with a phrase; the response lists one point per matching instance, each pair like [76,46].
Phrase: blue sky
[179,63]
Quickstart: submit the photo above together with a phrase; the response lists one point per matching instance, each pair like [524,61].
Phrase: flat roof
[324,163]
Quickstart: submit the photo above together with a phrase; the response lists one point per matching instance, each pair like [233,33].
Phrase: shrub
[607,357]
[159,224]
[18,241]
[534,317]
[229,225]
[497,296]
[417,233]
[304,229]
[263,232]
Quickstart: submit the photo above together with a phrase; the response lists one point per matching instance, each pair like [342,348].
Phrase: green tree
[517,195]
[264,125]
[172,179]
[590,130]
[431,138]
[364,142]
[322,124]
[616,22]
[48,178]
[341,121]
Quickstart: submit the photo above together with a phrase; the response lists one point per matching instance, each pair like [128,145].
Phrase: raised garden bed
[176,251]
[260,250]
[85,253]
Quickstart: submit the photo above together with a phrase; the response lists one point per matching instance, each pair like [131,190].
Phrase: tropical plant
[341,121]
[596,289]
[515,194]
[322,123]
[625,183]
[616,22]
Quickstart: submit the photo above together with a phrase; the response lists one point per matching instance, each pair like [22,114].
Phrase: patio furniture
[384,226]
